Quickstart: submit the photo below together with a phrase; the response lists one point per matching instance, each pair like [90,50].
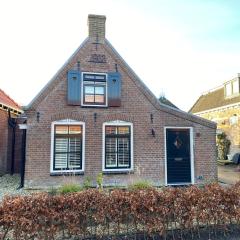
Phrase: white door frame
[191,154]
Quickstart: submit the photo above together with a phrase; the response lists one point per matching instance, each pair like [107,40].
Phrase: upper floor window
[228,89]
[94,89]
[89,89]
[235,87]
[232,88]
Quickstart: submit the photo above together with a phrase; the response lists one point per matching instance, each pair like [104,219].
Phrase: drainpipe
[12,123]
[23,155]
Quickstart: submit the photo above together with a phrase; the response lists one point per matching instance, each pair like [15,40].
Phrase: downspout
[12,123]
[23,156]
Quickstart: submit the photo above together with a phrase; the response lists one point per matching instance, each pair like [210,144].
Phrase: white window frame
[228,87]
[67,122]
[117,123]
[191,154]
[235,84]
[82,95]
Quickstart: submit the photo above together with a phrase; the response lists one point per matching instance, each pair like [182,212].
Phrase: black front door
[178,156]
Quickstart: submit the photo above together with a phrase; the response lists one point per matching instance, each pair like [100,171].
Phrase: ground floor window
[117,146]
[67,146]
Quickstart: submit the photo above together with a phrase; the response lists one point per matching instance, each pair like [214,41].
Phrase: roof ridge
[53,78]
[212,90]
[10,98]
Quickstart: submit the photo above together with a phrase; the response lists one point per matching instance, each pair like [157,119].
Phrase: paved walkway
[228,174]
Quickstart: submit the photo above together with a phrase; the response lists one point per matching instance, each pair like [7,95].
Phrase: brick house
[96,115]
[222,105]
[9,135]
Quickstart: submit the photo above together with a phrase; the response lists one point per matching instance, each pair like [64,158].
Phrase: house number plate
[98,58]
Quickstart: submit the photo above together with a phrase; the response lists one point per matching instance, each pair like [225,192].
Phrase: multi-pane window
[117,147]
[94,89]
[67,147]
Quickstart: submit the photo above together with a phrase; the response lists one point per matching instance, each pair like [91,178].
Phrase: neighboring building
[9,141]
[222,105]
[96,116]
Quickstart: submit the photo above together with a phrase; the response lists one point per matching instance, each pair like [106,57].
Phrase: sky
[179,48]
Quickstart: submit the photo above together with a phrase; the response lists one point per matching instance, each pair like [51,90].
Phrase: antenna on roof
[162,94]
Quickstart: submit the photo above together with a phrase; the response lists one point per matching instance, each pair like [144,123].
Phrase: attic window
[235,87]
[94,89]
[232,88]
[228,89]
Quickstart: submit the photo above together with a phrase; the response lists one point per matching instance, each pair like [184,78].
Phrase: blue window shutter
[74,87]
[114,85]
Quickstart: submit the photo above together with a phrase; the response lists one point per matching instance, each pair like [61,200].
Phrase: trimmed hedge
[102,213]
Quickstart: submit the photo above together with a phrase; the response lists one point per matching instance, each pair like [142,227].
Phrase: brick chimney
[96,27]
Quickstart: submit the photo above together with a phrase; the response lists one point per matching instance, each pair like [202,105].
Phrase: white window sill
[66,173]
[118,171]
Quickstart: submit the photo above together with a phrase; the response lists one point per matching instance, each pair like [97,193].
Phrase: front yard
[228,174]
[9,185]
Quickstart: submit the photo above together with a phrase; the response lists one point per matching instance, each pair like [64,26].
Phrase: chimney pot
[96,27]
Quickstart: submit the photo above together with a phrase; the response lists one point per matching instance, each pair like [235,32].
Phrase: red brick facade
[6,144]
[3,140]
[7,105]
[137,106]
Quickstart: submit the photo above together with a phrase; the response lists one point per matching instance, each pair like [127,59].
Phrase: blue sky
[180,48]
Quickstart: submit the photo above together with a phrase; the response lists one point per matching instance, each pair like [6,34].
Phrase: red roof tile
[9,102]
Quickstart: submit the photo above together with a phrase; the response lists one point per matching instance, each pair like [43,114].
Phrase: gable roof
[213,99]
[138,82]
[7,103]
[165,101]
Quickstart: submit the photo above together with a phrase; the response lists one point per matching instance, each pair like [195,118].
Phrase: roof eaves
[155,101]
[218,108]
[16,107]
[7,107]
[55,75]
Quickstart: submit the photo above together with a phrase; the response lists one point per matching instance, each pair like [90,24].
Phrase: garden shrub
[70,188]
[149,211]
[99,180]
[141,184]
[87,183]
